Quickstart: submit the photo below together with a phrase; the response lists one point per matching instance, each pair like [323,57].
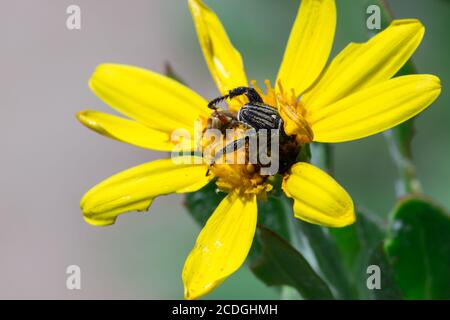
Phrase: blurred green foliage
[260,29]
[280,264]
[419,248]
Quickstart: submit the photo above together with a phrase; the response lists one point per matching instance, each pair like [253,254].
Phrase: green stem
[401,154]
[315,242]
[399,138]
[323,156]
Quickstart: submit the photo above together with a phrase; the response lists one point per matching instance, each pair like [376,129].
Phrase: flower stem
[400,137]
[323,156]
[319,247]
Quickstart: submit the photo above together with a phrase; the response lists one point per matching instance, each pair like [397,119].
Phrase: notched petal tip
[135,189]
[86,120]
[99,223]
[415,25]
[82,117]
[431,84]
[191,293]
[375,109]
[435,81]
[361,65]
[131,132]
[409,21]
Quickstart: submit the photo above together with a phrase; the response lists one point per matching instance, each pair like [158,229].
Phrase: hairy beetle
[255,115]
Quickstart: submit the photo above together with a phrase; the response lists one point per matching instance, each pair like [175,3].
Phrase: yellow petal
[309,44]
[374,109]
[364,64]
[295,124]
[223,60]
[222,245]
[154,100]
[135,188]
[318,198]
[128,131]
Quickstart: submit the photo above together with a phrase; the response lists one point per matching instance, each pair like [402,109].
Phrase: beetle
[254,115]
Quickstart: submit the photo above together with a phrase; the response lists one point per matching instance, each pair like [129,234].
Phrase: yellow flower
[351,98]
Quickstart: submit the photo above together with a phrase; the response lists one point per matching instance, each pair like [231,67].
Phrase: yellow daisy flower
[352,98]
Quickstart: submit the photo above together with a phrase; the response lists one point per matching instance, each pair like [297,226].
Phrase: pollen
[245,178]
[290,108]
[233,170]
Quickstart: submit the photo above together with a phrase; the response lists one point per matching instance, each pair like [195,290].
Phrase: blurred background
[48,160]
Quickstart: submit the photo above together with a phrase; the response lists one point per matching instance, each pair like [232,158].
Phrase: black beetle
[255,115]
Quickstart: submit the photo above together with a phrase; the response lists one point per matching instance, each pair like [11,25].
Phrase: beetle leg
[235,145]
[231,147]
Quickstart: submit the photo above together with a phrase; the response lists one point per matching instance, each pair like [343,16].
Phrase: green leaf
[356,244]
[280,264]
[305,154]
[389,289]
[361,246]
[418,248]
[322,156]
[400,137]
[327,256]
[272,215]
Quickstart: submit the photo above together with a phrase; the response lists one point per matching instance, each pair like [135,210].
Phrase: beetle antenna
[212,104]
[252,95]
